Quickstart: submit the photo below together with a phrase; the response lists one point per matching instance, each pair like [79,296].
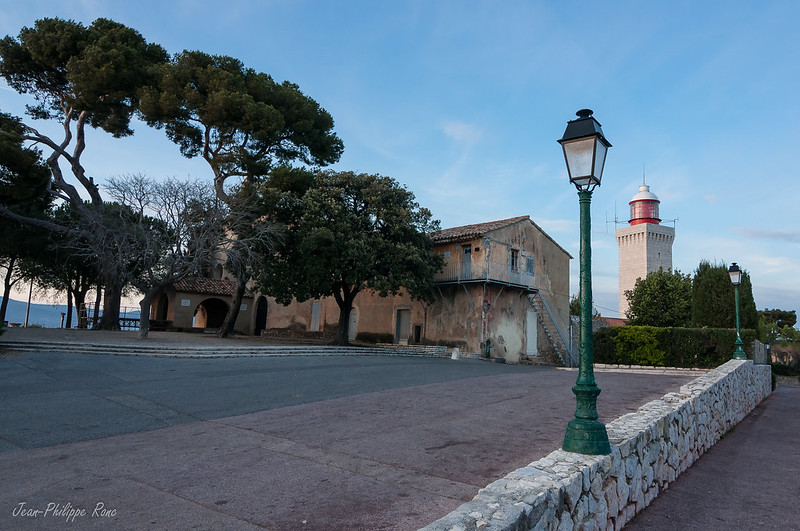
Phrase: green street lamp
[585,150]
[736,279]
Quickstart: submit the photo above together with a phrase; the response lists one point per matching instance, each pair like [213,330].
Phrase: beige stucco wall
[182,306]
[462,315]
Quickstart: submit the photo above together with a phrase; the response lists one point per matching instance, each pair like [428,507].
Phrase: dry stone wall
[649,449]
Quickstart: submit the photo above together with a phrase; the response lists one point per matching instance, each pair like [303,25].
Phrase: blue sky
[463,101]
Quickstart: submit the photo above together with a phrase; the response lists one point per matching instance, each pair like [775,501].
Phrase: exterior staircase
[555,332]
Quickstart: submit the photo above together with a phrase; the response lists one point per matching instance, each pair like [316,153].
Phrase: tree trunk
[344,319]
[144,314]
[345,301]
[6,289]
[68,324]
[112,300]
[233,312]
[97,299]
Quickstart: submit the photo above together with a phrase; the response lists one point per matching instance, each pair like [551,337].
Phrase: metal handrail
[567,348]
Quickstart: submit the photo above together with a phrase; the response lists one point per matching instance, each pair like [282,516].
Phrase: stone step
[210,351]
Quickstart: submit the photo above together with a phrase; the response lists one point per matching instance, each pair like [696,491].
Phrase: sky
[463,101]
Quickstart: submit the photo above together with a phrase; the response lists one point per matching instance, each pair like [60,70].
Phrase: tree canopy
[240,121]
[348,233]
[24,177]
[662,298]
[713,302]
[781,318]
[79,76]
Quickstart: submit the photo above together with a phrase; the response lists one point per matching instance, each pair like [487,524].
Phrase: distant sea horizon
[41,314]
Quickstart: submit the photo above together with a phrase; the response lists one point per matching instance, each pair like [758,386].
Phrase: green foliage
[574,305]
[80,76]
[575,308]
[662,298]
[347,233]
[23,175]
[713,301]
[240,121]
[773,327]
[669,347]
[783,369]
[638,346]
[781,318]
[95,70]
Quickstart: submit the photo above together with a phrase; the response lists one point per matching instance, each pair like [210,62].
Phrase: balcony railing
[483,271]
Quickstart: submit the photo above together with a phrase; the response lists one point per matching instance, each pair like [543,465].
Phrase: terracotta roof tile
[469,232]
[206,286]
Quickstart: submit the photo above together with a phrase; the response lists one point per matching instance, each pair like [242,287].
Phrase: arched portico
[210,313]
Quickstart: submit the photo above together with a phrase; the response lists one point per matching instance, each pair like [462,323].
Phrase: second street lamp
[585,150]
[736,279]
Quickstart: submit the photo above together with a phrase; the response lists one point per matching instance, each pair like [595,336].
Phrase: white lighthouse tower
[644,245]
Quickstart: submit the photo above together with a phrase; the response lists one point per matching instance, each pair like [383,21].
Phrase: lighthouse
[644,244]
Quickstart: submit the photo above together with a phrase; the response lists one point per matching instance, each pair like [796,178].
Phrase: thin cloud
[462,132]
[791,236]
[773,264]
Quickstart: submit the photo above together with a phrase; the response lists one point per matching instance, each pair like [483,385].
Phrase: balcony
[483,271]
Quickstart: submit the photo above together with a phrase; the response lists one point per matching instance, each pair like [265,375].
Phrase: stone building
[644,245]
[503,292]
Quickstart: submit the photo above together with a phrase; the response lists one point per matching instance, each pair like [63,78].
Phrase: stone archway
[162,307]
[210,313]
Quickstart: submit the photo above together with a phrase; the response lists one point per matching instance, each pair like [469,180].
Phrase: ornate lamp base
[585,434]
[586,437]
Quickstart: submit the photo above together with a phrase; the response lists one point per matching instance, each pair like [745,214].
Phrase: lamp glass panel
[583,183]
[600,159]
[736,277]
[579,157]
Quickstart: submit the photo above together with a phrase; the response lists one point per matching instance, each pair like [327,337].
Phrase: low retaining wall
[649,449]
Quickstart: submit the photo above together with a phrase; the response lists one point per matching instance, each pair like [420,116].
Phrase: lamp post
[736,279]
[585,150]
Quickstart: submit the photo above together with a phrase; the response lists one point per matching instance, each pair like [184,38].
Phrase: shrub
[782,369]
[670,347]
[371,337]
[638,345]
[604,347]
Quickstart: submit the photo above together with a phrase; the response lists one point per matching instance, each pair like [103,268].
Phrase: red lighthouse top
[644,207]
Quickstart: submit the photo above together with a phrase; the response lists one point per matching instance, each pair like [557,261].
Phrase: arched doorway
[162,307]
[261,316]
[210,313]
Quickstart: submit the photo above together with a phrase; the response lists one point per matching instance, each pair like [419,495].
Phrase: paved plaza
[274,443]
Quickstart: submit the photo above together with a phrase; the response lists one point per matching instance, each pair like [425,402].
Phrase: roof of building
[206,286]
[644,194]
[469,232]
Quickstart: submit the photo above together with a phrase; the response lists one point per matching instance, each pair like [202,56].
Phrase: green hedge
[668,347]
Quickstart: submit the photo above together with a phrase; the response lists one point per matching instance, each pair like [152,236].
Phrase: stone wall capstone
[649,449]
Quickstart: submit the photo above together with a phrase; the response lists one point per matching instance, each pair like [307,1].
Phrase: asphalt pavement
[749,480]
[116,442]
